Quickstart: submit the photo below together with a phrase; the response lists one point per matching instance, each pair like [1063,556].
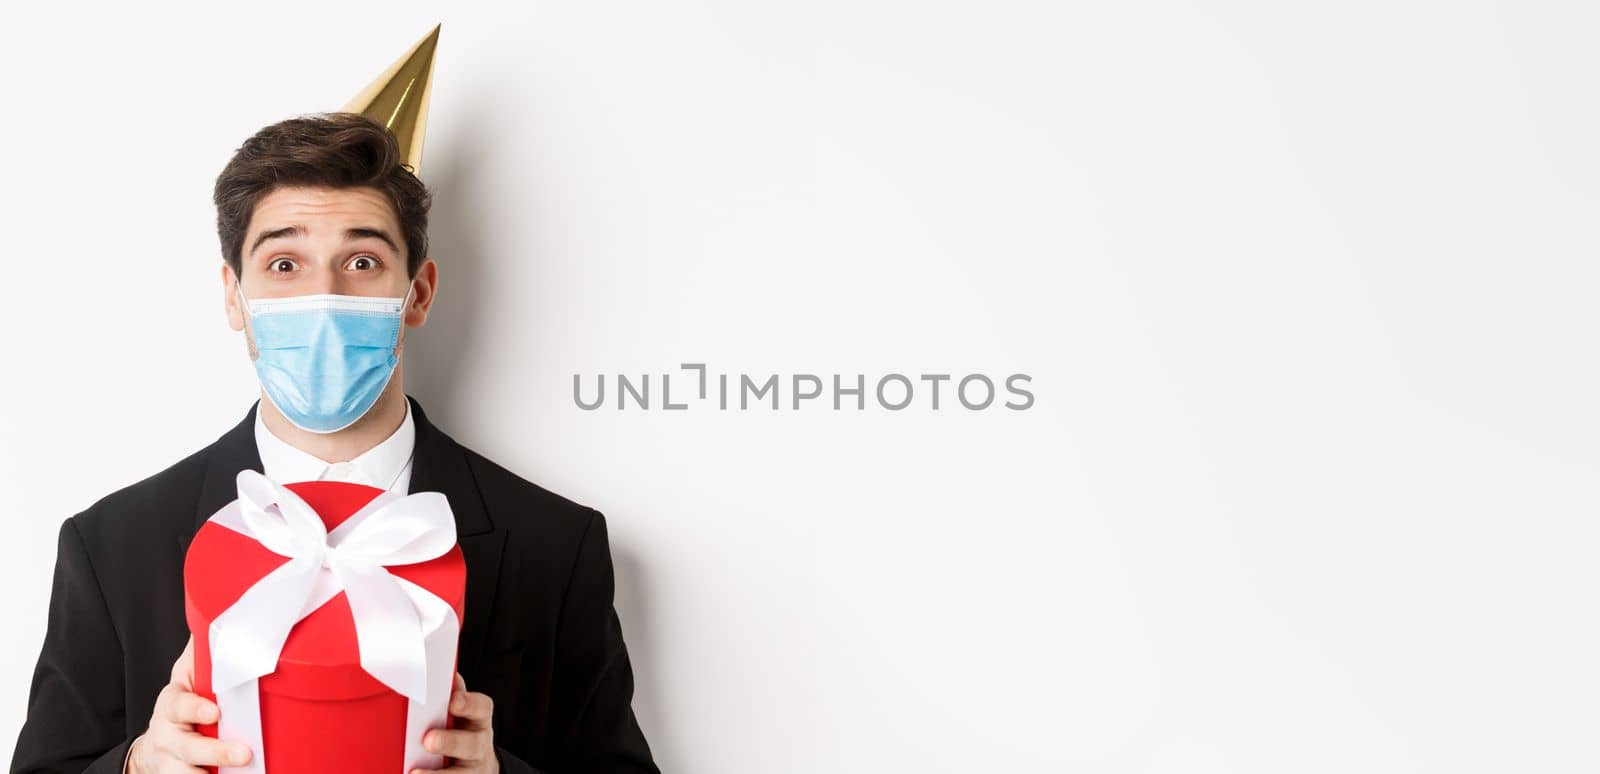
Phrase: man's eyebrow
[352,234]
[277,233]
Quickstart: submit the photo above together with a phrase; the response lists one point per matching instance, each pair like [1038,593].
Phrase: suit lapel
[439,465]
[233,452]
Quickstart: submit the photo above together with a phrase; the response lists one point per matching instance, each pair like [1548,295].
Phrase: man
[320,210]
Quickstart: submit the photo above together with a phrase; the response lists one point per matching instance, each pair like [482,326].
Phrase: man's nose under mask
[324,359]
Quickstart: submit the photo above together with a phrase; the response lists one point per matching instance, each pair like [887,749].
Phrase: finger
[183,668]
[461,683]
[174,766]
[205,751]
[191,708]
[472,706]
[466,766]
[162,753]
[462,744]
[164,702]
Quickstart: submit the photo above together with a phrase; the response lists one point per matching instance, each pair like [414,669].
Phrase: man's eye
[363,262]
[282,265]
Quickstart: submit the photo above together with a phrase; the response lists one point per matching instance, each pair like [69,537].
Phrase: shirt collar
[379,466]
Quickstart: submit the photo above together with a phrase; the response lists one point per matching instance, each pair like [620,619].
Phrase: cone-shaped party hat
[398,99]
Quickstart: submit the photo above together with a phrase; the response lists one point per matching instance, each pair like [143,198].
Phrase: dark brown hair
[337,150]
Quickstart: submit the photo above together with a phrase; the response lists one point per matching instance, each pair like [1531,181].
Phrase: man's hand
[469,746]
[170,743]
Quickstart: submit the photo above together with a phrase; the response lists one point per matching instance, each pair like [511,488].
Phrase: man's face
[310,240]
[323,240]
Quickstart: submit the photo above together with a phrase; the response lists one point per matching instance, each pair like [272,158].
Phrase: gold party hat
[398,99]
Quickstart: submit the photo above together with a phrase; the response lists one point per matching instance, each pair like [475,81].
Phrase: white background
[1306,292]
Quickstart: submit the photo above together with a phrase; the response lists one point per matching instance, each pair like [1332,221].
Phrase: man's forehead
[306,205]
[347,214]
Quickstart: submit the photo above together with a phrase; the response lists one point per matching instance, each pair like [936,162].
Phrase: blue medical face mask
[324,359]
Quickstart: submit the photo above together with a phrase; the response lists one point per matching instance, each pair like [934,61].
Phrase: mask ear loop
[244,311]
[405,304]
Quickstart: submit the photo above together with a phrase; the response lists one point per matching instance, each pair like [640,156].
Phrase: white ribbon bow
[406,635]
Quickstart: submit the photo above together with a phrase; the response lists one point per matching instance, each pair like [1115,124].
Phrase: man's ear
[230,298]
[425,287]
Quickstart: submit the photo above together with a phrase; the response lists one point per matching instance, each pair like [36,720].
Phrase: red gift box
[320,711]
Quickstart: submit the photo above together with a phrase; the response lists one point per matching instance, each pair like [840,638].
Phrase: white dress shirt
[385,466]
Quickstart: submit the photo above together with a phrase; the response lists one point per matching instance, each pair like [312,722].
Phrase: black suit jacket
[540,635]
